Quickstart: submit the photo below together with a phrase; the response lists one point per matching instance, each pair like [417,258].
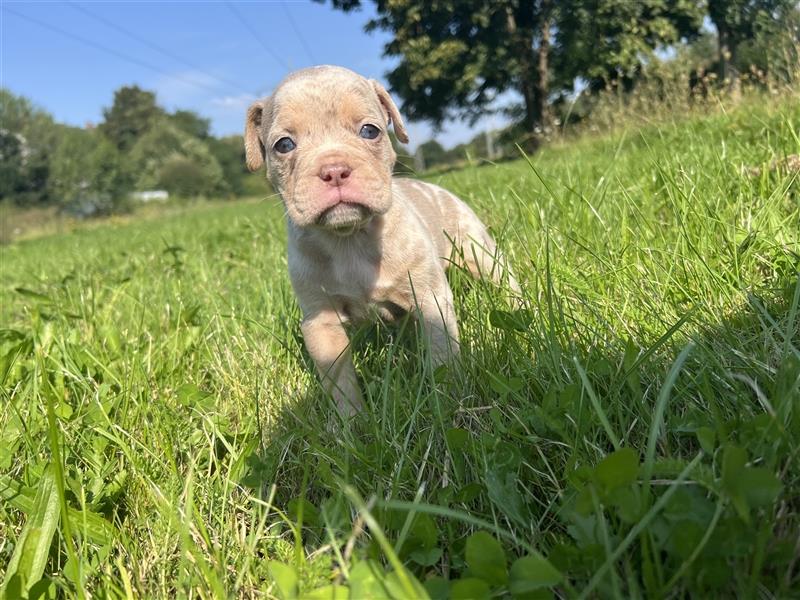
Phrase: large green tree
[456,57]
[229,152]
[132,114]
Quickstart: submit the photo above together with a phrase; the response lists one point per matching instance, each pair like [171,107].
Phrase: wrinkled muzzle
[338,188]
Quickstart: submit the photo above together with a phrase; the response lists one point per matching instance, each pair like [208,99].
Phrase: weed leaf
[438,588]
[470,588]
[519,320]
[285,578]
[531,573]
[486,558]
[618,469]
[329,592]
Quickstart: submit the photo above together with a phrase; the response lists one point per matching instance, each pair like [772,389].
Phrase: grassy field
[632,432]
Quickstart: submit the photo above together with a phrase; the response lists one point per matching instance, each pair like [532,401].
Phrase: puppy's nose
[335,174]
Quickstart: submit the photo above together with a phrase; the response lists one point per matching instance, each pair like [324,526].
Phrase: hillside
[633,431]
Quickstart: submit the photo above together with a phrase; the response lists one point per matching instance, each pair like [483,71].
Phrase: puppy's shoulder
[416,191]
[409,184]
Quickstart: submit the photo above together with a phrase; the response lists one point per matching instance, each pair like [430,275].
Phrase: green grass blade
[601,414]
[33,546]
[661,406]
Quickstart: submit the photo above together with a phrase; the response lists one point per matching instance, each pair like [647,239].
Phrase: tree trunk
[532,117]
[527,85]
[724,51]
[543,84]
[729,74]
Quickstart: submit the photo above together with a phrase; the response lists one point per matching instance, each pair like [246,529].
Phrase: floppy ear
[253,147]
[391,109]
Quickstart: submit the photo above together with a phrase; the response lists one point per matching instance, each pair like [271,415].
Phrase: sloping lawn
[632,432]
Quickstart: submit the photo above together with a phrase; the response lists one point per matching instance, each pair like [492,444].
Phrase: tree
[85,166]
[132,114]
[458,56]
[229,152]
[183,177]
[192,123]
[27,138]
[433,153]
[12,164]
[738,21]
[609,42]
[161,147]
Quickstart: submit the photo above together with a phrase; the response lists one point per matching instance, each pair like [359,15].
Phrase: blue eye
[369,132]
[284,145]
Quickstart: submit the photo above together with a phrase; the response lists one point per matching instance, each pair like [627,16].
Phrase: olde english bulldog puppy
[361,242]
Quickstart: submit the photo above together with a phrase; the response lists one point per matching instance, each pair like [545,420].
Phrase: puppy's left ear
[253,148]
[391,109]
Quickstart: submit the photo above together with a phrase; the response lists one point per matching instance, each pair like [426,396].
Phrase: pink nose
[335,174]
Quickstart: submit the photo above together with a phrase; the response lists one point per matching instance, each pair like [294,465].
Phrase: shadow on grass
[529,439]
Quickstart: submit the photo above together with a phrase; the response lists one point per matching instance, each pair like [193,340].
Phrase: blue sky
[210,57]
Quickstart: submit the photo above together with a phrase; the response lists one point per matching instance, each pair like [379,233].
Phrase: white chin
[344,218]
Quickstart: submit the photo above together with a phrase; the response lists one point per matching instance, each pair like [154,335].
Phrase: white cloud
[238,103]
[184,87]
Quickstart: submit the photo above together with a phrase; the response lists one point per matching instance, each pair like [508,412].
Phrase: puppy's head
[324,137]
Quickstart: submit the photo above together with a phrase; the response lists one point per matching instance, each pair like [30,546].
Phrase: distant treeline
[684,78]
[138,146]
[586,65]
[527,59]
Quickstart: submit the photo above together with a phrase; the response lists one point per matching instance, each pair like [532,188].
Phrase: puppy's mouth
[344,217]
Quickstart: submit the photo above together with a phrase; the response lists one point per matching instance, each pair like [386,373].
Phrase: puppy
[362,244]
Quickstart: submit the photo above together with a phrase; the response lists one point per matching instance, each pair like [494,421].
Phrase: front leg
[327,342]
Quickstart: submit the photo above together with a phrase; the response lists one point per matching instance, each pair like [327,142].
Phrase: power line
[255,35]
[298,32]
[155,47]
[108,50]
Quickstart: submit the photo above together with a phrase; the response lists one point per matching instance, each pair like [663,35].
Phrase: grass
[632,432]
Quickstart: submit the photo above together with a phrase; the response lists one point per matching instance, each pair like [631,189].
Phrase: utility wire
[298,32]
[155,47]
[108,50]
[255,35]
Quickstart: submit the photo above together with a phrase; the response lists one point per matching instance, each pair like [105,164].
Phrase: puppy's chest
[361,283]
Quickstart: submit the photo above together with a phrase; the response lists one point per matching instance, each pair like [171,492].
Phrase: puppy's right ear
[253,147]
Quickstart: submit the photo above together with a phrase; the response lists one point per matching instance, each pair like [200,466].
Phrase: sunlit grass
[661,316]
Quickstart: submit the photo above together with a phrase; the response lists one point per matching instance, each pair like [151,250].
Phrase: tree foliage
[608,41]
[27,136]
[192,123]
[456,57]
[85,166]
[139,146]
[132,114]
[465,58]
[159,153]
[229,153]
[740,22]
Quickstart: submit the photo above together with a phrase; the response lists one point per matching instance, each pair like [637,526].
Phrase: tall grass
[679,88]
